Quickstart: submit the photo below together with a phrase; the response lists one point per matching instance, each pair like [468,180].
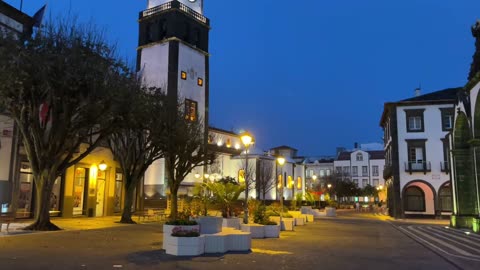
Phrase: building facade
[361,167]
[416,151]
[319,172]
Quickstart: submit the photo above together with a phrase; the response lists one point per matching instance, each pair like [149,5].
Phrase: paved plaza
[351,241]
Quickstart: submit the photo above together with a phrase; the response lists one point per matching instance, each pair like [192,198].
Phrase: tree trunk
[127,206]
[174,205]
[44,185]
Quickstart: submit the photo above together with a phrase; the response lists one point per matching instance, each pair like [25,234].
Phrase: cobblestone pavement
[347,242]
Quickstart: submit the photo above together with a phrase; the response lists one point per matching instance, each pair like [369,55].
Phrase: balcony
[445,167]
[418,166]
[387,171]
[174,5]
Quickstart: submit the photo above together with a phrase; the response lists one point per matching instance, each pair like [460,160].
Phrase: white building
[361,167]
[319,172]
[417,170]
[14,22]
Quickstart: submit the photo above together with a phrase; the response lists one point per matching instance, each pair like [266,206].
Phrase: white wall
[433,146]
[192,62]
[154,65]
[10,23]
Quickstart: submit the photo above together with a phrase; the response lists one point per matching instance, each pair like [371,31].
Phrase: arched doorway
[465,188]
[418,198]
[414,199]
[445,203]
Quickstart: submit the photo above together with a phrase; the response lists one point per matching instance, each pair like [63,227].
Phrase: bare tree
[137,142]
[60,88]
[265,181]
[184,149]
[246,177]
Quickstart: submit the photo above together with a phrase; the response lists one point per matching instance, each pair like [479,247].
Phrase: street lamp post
[247,140]
[281,162]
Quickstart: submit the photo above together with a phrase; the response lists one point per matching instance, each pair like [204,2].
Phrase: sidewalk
[68,224]
[384,217]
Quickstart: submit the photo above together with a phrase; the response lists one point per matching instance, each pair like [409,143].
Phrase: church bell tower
[173,55]
[173,52]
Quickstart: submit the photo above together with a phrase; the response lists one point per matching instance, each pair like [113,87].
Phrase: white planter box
[310,218]
[287,223]
[295,214]
[232,223]
[299,221]
[210,225]
[306,210]
[167,232]
[330,212]
[185,246]
[272,231]
[255,230]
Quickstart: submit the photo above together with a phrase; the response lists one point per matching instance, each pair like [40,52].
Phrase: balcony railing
[417,166]
[171,5]
[445,167]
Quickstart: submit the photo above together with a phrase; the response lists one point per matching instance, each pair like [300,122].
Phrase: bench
[6,218]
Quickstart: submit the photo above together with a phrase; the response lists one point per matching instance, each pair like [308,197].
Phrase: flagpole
[21,5]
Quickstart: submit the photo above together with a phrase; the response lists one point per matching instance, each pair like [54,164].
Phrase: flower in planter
[179,232]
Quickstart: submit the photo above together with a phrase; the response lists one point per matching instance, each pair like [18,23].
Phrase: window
[414,199]
[228,143]
[310,173]
[359,157]
[444,164]
[191,110]
[364,170]
[183,75]
[200,82]
[338,170]
[355,171]
[322,173]
[346,170]
[447,118]
[364,182]
[299,182]
[415,120]
[329,172]
[375,170]
[445,198]
[416,155]
[117,199]
[375,182]
[355,181]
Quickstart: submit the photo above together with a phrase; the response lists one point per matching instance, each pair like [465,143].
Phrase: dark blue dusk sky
[311,74]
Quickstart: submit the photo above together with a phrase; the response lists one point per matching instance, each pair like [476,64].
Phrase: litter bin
[90,212]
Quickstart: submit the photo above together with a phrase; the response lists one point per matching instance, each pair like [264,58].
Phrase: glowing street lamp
[102,166]
[247,140]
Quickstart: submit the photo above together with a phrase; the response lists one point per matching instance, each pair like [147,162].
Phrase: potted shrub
[185,242]
[186,225]
[225,192]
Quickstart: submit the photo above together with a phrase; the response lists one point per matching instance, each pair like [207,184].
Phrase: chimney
[355,145]
[418,91]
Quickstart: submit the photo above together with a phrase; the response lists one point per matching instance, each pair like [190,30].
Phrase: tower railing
[171,5]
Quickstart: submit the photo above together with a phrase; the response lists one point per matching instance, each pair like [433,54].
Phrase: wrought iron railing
[171,5]
[417,166]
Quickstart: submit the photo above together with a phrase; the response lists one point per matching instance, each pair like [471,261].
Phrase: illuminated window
[200,82]
[299,183]
[229,143]
[241,176]
[184,75]
[279,185]
[210,138]
[191,110]
[290,182]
